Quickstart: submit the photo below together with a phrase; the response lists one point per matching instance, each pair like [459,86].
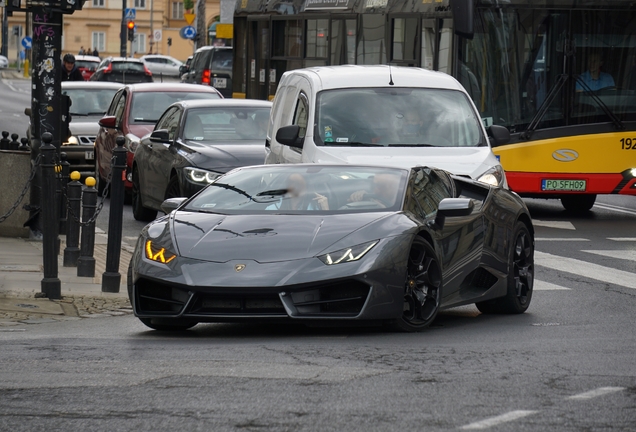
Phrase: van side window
[300,115]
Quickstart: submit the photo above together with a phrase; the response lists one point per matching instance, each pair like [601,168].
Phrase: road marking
[586,269]
[9,84]
[619,254]
[601,391]
[622,239]
[561,239]
[547,286]
[554,224]
[494,421]
[615,208]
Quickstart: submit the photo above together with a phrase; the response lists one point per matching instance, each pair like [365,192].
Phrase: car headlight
[495,176]
[72,140]
[353,253]
[201,176]
[157,253]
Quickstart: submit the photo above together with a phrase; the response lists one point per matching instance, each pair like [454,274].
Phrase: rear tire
[168,324]
[140,212]
[520,277]
[578,203]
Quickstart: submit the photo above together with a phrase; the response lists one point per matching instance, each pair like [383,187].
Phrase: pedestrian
[95,52]
[69,71]
[81,51]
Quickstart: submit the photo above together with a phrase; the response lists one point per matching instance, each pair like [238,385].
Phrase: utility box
[15,169]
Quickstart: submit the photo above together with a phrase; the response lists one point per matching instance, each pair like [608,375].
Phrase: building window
[99,41]
[140,4]
[177,10]
[99,3]
[139,44]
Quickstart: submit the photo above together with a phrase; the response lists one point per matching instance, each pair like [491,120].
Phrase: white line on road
[618,254]
[615,208]
[494,421]
[578,239]
[586,269]
[601,391]
[547,286]
[622,239]
[554,224]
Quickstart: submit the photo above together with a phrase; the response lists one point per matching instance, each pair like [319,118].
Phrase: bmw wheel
[422,290]
[174,189]
[520,277]
[140,212]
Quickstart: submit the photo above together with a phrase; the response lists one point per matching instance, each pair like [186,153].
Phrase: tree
[188,4]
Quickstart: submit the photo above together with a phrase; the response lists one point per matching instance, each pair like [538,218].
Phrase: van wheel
[578,203]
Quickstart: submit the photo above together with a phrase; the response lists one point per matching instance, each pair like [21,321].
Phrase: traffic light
[131,30]
[169,41]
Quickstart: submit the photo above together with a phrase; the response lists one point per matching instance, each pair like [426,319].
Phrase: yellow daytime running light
[158,254]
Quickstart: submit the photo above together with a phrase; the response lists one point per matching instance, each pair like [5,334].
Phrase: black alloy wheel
[174,189]
[422,290]
[140,212]
[520,277]
[578,203]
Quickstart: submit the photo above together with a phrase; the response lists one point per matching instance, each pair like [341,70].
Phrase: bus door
[258,57]
[405,47]
[343,41]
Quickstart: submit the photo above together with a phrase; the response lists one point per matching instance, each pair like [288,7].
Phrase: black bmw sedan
[193,143]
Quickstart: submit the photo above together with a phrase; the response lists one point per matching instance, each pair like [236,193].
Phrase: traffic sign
[131,13]
[188,32]
[27,42]
[157,35]
[189,17]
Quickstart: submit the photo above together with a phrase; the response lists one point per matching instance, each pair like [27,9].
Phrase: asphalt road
[14,98]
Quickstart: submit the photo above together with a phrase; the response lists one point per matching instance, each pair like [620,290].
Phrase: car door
[300,117]
[161,158]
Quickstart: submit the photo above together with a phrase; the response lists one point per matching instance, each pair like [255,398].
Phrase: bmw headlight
[495,176]
[353,253]
[159,254]
[72,140]
[200,176]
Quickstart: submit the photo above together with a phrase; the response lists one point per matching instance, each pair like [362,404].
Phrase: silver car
[162,65]
[4,62]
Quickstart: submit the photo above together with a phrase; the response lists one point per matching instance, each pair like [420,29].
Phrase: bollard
[74,195]
[14,144]
[51,285]
[4,142]
[62,182]
[86,262]
[25,145]
[111,278]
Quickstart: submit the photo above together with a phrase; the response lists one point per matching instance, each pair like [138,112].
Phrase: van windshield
[401,117]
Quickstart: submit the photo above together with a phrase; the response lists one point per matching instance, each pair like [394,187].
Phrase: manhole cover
[27,306]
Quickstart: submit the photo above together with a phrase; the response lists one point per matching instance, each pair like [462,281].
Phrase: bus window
[404,40]
[371,44]
[428,44]
[343,41]
[445,53]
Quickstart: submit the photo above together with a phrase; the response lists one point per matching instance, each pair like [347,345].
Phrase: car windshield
[87,102]
[396,117]
[147,107]
[87,64]
[128,67]
[303,189]
[234,125]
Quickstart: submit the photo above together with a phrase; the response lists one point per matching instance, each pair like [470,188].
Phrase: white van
[396,116]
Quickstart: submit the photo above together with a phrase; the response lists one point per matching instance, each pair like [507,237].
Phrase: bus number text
[628,143]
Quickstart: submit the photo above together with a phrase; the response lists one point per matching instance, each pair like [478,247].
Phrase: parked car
[133,113]
[89,102]
[184,68]
[4,62]
[162,65]
[87,65]
[122,69]
[212,66]
[339,243]
[192,144]
[399,116]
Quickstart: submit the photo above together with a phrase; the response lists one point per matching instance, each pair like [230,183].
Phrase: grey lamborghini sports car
[325,242]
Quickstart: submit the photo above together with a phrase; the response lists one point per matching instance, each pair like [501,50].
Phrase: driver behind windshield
[385,189]
[593,78]
[298,197]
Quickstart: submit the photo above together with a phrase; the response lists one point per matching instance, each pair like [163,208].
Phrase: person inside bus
[594,78]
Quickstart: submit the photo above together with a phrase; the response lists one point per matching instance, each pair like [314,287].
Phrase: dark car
[343,243]
[89,102]
[132,114]
[124,70]
[194,143]
[212,65]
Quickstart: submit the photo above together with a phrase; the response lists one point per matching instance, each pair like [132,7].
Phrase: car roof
[171,87]
[210,47]
[91,85]
[125,59]
[351,76]
[210,103]
[88,58]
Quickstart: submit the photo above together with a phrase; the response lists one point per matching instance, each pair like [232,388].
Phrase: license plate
[563,185]
[89,155]
[219,82]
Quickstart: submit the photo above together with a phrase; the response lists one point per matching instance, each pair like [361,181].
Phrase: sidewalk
[20,280]
[13,74]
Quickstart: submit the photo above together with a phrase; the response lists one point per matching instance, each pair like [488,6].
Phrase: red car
[87,65]
[133,112]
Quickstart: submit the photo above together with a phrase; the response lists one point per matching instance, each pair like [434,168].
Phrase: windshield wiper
[608,112]
[534,123]
[139,120]
[413,145]
[273,192]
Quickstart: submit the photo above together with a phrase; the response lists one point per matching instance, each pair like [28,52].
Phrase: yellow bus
[559,74]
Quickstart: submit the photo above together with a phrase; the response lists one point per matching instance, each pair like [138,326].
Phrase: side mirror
[452,207]
[499,135]
[160,135]
[464,17]
[108,122]
[289,136]
[27,111]
[171,204]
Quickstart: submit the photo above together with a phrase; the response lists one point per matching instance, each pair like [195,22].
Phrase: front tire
[422,290]
[167,324]
[140,212]
[520,277]
[578,203]
[174,188]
